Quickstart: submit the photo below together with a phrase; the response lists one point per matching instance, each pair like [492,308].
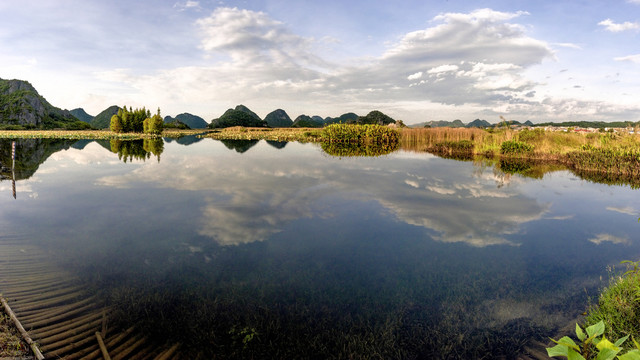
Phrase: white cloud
[261,201]
[442,69]
[415,76]
[601,238]
[632,58]
[186,5]
[249,37]
[568,45]
[615,27]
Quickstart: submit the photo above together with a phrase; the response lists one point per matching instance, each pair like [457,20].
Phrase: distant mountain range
[243,116]
[475,123]
[21,107]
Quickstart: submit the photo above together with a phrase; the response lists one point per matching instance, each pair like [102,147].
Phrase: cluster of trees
[138,120]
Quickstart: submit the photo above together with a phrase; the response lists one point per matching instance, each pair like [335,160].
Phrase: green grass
[619,307]
[89,134]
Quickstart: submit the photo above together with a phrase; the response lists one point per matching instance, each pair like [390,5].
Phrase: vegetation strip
[23,332]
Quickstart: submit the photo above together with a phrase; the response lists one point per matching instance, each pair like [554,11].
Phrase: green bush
[529,136]
[513,147]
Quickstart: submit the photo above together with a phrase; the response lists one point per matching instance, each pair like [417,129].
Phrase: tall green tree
[154,125]
[116,124]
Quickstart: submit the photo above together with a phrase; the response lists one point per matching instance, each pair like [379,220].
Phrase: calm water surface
[256,249]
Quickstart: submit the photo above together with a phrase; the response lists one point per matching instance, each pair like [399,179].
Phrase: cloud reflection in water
[250,197]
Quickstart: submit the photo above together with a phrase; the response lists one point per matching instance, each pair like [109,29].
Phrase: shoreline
[597,153]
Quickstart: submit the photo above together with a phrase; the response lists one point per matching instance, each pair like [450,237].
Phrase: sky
[417,61]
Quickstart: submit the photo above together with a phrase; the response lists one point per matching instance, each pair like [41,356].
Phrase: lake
[254,249]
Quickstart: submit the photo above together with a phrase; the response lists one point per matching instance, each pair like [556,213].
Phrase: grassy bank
[619,306]
[611,326]
[604,153]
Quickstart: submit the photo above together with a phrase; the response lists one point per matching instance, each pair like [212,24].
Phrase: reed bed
[593,152]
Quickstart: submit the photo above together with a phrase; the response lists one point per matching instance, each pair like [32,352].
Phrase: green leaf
[636,343]
[568,342]
[574,355]
[607,354]
[581,335]
[631,355]
[596,329]
[558,350]
[621,340]
[606,344]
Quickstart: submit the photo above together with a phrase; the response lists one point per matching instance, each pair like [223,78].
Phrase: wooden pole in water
[23,332]
[13,167]
[105,353]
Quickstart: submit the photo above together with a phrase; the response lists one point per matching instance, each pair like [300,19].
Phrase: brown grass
[11,345]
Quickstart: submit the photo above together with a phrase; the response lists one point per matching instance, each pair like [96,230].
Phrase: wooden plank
[23,332]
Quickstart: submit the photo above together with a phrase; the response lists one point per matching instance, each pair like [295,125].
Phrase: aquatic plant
[450,148]
[350,149]
[592,345]
[365,134]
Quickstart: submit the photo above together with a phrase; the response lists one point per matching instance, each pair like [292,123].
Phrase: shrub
[513,147]
[529,136]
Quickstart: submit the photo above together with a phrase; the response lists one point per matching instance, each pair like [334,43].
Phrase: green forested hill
[22,107]
[278,118]
[307,121]
[103,120]
[237,117]
[192,121]
[82,115]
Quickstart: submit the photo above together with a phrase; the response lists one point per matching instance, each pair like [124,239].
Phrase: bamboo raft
[58,317]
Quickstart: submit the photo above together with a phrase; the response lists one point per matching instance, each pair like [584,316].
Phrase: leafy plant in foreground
[592,346]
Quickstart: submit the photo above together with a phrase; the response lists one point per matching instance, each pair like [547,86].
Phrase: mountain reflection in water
[308,255]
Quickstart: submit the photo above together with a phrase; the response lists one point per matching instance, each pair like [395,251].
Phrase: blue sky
[414,60]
